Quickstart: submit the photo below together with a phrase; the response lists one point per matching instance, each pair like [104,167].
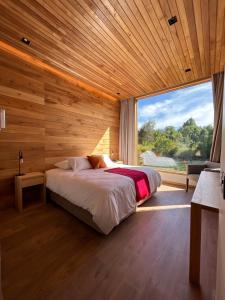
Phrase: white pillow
[79,163]
[63,165]
[107,160]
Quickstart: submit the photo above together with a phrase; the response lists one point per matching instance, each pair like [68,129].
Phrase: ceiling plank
[220,32]
[122,48]
[212,32]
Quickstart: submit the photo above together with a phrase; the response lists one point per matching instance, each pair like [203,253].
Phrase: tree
[190,141]
[164,144]
[190,132]
[205,141]
[166,141]
[146,133]
[172,133]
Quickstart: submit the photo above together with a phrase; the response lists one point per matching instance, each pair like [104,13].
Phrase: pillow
[63,165]
[96,161]
[211,164]
[79,163]
[108,161]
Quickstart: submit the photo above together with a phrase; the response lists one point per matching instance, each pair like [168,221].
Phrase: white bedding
[108,197]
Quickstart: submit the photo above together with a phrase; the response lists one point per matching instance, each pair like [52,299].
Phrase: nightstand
[29,190]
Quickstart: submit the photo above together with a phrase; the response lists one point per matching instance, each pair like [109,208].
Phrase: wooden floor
[48,254]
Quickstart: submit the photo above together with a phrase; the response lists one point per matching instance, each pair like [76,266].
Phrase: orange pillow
[96,161]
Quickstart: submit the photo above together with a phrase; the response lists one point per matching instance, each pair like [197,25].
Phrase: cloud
[174,108]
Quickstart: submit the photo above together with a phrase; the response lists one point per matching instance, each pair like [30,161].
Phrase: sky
[176,107]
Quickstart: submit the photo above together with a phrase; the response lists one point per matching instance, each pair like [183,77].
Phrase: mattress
[108,197]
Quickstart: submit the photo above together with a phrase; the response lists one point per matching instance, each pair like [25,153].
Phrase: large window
[176,128]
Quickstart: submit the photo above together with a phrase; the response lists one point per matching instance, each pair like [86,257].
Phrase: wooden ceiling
[121,46]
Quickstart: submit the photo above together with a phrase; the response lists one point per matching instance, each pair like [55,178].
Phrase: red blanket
[140,181]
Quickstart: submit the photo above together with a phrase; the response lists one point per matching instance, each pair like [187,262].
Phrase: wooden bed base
[80,213]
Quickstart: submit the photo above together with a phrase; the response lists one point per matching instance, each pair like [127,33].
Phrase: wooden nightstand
[24,185]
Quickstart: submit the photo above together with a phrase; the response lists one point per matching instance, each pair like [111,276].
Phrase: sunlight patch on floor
[162,207]
[164,188]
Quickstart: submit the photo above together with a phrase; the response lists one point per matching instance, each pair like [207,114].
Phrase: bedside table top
[30,175]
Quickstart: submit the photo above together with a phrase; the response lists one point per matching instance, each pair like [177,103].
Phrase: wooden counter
[206,196]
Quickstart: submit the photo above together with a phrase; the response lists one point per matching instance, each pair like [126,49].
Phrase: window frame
[164,91]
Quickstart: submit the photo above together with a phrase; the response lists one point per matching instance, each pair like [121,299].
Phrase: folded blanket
[140,179]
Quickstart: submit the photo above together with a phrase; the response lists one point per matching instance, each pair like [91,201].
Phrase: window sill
[164,170]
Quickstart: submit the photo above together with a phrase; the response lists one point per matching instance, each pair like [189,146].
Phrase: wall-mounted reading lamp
[2,118]
[20,157]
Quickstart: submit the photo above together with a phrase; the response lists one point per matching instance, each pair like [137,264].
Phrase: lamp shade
[2,118]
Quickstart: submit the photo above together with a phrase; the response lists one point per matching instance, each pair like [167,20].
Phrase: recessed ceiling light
[187,70]
[172,20]
[26,41]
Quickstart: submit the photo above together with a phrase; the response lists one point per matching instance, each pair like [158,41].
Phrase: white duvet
[108,197]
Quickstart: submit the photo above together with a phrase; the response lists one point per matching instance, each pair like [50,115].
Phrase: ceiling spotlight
[172,20]
[26,41]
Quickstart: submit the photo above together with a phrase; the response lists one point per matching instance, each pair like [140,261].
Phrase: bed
[100,199]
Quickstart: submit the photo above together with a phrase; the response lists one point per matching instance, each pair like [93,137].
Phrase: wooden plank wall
[49,119]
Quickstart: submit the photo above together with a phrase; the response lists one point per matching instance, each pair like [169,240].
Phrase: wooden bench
[206,196]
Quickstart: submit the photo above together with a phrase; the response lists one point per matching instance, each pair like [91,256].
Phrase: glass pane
[176,128]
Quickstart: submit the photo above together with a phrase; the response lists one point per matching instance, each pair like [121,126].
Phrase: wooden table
[206,196]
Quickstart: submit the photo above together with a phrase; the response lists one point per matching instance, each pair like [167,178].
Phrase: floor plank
[48,254]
